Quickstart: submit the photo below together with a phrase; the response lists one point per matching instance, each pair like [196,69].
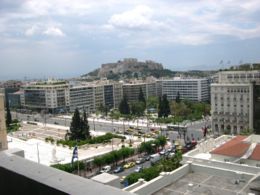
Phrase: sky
[68,38]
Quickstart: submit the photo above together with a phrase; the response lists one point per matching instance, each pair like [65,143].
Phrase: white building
[234,106]
[189,89]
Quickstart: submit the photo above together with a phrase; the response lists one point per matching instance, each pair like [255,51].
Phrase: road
[116,183]
[194,129]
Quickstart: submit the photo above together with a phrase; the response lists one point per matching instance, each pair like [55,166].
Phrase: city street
[194,129]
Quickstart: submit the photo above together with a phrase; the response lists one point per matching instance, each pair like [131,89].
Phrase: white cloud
[138,18]
[54,31]
[32,31]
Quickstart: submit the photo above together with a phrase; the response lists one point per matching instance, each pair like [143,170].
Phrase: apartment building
[189,89]
[50,95]
[132,90]
[235,102]
[117,93]
[3,135]
[82,97]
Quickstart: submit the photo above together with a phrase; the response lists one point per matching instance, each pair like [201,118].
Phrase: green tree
[165,106]
[124,106]
[138,108]
[8,120]
[152,102]
[79,128]
[141,97]
[85,126]
[160,108]
[178,97]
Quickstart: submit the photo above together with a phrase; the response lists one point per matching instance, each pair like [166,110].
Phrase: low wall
[228,166]
[221,171]
[163,180]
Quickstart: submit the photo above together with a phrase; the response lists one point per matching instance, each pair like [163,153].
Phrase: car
[56,123]
[105,169]
[140,160]
[138,169]
[155,158]
[171,154]
[162,152]
[118,169]
[147,157]
[129,165]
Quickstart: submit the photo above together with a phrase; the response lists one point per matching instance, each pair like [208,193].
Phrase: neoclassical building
[235,101]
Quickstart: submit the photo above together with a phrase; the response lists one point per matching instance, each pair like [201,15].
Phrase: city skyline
[58,38]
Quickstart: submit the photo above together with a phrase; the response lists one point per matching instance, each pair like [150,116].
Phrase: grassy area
[94,140]
[14,126]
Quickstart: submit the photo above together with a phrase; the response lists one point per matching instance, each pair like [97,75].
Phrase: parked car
[171,154]
[138,169]
[162,152]
[147,157]
[129,165]
[105,169]
[140,160]
[119,169]
[155,158]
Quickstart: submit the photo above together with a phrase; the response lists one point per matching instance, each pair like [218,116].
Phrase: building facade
[188,89]
[3,135]
[234,101]
[51,95]
[82,97]
[132,90]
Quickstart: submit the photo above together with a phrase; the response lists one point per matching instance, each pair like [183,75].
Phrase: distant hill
[132,68]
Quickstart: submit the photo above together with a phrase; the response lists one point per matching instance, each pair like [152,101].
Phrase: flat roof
[105,178]
[197,183]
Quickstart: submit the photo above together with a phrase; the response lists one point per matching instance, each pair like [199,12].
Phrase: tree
[138,108]
[152,102]
[8,120]
[85,126]
[160,108]
[79,128]
[141,97]
[178,97]
[165,106]
[124,106]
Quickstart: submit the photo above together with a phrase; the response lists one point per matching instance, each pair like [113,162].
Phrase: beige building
[233,101]
[3,136]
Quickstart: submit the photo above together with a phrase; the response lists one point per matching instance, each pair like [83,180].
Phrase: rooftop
[198,183]
[256,153]
[236,147]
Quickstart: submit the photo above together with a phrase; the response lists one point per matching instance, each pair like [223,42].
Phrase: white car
[105,169]
[138,169]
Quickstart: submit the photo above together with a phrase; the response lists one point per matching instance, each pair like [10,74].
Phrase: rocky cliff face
[129,64]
